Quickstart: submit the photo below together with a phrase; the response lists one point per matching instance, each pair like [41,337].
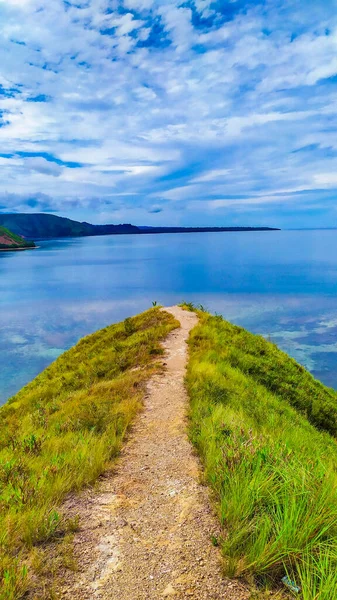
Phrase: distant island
[35,226]
[12,241]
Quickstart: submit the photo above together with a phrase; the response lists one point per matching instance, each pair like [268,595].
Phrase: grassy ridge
[273,472]
[282,375]
[60,432]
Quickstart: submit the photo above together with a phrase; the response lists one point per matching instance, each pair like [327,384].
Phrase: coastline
[18,249]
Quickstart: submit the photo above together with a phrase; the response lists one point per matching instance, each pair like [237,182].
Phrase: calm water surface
[281,284]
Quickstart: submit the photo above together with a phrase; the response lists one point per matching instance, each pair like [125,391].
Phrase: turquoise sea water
[281,284]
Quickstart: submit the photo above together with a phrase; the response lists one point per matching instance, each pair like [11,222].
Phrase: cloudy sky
[201,112]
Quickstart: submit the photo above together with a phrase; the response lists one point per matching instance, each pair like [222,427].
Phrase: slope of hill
[266,431]
[42,226]
[62,430]
[12,241]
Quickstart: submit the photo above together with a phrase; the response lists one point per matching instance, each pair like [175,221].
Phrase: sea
[280,284]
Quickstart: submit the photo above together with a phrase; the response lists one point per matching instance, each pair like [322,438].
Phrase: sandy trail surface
[146,529]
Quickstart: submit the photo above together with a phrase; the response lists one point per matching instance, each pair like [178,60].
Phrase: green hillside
[12,241]
[62,430]
[262,425]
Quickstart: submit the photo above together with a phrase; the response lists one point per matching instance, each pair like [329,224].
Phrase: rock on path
[145,531]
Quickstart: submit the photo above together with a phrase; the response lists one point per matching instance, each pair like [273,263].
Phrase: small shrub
[129,326]
[73,524]
[31,445]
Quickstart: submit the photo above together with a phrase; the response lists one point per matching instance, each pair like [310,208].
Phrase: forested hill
[42,226]
[11,241]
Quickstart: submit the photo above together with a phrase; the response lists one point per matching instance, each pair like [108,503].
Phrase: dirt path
[145,533]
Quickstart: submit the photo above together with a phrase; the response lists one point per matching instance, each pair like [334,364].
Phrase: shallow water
[281,284]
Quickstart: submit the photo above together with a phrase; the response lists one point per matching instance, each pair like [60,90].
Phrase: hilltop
[12,241]
[43,226]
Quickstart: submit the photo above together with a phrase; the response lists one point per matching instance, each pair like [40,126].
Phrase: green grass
[261,423]
[282,375]
[17,241]
[60,432]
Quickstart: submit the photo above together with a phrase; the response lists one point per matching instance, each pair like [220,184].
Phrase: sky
[166,112]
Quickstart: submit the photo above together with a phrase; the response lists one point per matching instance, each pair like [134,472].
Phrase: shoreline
[18,249]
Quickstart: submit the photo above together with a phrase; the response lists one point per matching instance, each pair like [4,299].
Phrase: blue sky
[202,112]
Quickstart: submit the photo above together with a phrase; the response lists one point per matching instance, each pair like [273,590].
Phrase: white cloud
[212,175]
[124,23]
[326,179]
[139,4]
[177,113]
[41,165]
